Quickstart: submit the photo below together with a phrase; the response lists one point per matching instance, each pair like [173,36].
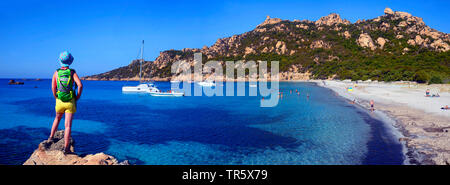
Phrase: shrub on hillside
[421,77]
[435,80]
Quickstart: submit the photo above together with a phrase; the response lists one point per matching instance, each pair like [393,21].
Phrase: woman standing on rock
[62,88]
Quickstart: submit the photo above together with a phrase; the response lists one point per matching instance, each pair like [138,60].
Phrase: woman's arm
[79,84]
[55,75]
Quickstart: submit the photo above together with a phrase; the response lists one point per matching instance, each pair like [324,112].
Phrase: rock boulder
[51,153]
[388,11]
[331,19]
[365,40]
[381,41]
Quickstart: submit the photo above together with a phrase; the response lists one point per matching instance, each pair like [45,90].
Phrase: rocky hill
[394,46]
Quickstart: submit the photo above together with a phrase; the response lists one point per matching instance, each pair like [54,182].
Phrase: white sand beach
[424,125]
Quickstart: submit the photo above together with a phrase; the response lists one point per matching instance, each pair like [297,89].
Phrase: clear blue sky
[103,35]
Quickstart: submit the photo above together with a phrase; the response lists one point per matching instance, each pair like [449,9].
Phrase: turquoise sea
[321,129]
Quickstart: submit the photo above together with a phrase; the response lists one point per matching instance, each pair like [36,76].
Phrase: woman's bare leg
[67,131]
[55,124]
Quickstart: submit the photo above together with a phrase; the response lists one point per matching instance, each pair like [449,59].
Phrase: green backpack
[65,85]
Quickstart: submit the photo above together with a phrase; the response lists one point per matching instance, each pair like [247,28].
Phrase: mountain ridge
[390,47]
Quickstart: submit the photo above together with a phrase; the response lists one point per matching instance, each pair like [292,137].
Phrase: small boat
[207,83]
[175,94]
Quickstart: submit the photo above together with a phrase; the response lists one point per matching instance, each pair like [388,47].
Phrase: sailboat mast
[142,60]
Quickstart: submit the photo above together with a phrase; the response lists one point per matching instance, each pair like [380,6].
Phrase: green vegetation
[417,67]
[435,80]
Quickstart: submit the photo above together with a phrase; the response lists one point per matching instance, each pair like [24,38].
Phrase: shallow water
[323,129]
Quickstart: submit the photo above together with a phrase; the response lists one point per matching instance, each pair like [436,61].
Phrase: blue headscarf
[65,59]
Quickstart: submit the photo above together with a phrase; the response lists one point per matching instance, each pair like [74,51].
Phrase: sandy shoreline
[424,126]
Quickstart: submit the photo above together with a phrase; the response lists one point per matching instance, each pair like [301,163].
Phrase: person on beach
[62,88]
[371,105]
[436,95]
[427,93]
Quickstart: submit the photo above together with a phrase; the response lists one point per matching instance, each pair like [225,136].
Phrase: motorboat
[174,94]
[207,83]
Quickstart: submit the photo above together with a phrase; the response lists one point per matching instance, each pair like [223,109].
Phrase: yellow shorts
[68,107]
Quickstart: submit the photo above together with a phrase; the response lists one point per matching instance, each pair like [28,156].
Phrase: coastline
[422,131]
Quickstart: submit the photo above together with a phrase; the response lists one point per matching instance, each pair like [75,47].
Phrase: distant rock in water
[51,153]
[13,82]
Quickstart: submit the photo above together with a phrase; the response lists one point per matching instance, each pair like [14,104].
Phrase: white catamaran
[142,87]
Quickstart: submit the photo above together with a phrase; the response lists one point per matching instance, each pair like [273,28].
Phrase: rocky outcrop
[302,26]
[432,33]
[51,153]
[388,11]
[402,14]
[440,45]
[281,47]
[347,35]
[13,82]
[331,19]
[365,40]
[381,41]
[402,24]
[411,42]
[384,26]
[270,21]
[405,50]
[319,44]
[294,73]
[419,40]
[249,50]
